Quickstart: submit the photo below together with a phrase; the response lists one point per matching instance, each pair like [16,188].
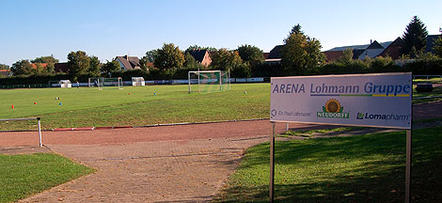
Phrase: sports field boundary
[136,126]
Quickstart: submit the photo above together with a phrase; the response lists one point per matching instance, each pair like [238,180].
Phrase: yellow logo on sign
[333,109]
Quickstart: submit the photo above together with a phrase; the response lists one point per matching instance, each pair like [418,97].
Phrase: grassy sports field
[87,107]
[366,168]
[84,107]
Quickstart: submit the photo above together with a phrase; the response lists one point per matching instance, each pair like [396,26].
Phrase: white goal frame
[118,80]
[220,78]
[101,82]
[40,142]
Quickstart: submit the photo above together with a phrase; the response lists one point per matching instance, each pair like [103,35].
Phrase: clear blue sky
[107,28]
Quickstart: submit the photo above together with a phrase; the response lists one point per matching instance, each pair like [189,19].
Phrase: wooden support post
[272,164]
[408,168]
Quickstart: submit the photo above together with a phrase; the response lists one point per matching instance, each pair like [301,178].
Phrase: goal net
[96,82]
[208,81]
[101,82]
[113,82]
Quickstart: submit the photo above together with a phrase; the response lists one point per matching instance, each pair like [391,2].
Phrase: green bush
[425,67]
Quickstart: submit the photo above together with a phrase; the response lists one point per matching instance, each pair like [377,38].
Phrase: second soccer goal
[208,81]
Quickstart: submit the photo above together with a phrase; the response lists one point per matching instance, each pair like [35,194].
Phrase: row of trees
[79,63]
[300,54]
[170,58]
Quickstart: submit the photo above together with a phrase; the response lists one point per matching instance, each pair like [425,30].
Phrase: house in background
[430,43]
[128,62]
[36,65]
[202,56]
[331,56]
[274,56]
[5,73]
[371,50]
[393,50]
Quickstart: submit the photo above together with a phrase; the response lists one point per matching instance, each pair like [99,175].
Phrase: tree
[347,56]
[151,55]
[415,35]
[437,48]
[45,59]
[94,66]
[251,54]
[297,29]
[78,63]
[4,67]
[110,67]
[226,60]
[197,47]
[301,53]
[22,67]
[144,63]
[49,60]
[169,57]
[314,56]
[191,63]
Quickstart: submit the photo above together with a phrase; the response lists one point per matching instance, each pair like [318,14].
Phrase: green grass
[437,91]
[87,107]
[24,175]
[368,168]
[83,107]
[309,133]
[432,80]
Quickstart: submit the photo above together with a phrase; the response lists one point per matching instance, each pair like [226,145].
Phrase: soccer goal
[12,123]
[113,82]
[208,81]
[101,82]
[96,82]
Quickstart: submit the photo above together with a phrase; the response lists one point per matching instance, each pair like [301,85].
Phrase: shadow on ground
[373,180]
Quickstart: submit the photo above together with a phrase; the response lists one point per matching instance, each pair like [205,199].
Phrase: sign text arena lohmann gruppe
[379,100]
[372,100]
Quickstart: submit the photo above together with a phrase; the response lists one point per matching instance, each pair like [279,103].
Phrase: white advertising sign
[376,100]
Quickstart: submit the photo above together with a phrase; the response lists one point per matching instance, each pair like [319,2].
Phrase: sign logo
[273,113]
[333,109]
[360,115]
[383,116]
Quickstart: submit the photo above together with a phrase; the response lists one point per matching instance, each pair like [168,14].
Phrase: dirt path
[162,164]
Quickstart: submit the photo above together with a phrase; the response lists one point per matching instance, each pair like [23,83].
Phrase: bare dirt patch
[23,150]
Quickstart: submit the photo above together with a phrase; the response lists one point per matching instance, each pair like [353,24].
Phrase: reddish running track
[149,134]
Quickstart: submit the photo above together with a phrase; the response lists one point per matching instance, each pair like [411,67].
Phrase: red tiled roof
[333,55]
[393,50]
[34,65]
[266,55]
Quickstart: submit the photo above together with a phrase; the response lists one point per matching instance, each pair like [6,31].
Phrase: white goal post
[209,81]
[95,82]
[40,142]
